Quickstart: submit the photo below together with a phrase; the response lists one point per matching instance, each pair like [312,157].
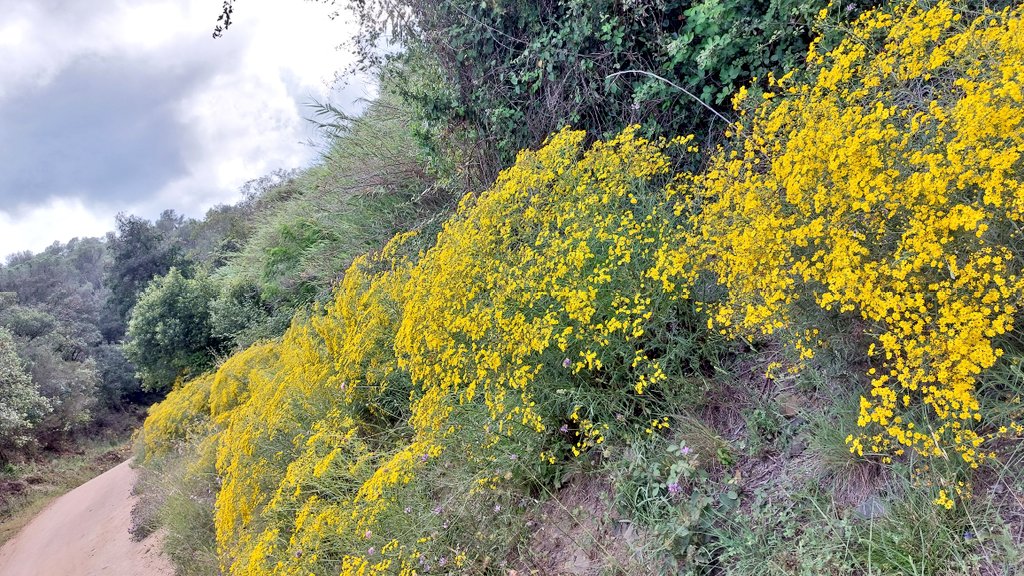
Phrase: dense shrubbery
[574,309]
[372,183]
[513,72]
[23,406]
[888,189]
[53,306]
[170,335]
[313,431]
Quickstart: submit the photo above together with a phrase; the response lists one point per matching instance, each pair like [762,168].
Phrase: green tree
[27,322]
[140,250]
[66,376]
[169,334]
[21,405]
[118,384]
[54,344]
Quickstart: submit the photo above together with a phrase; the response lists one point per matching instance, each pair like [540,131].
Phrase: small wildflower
[566,363]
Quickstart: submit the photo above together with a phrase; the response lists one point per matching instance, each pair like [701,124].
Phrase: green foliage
[177,494]
[373,181]
[664,488]
[170,334]
[764,426]
[53,303]
[140,250]
[118,386]
[27,322]
[65,375]
[241,315]
[58,289]
[21,405]
[223,231]
[513,72]
[782,534]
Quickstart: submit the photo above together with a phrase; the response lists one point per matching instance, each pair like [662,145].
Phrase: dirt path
[85,533]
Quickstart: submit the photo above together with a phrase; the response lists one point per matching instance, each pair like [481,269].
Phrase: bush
[21,405]
[885,191]
[169,334]
[509,74]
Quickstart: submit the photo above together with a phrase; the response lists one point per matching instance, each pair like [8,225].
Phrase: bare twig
[674,85]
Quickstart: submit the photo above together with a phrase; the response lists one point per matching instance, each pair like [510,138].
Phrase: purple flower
[673,488]
[437,510]
[442,561]
[564,429]
[424,457]
[371,551]
[369,534]
[685,451]
[566,363]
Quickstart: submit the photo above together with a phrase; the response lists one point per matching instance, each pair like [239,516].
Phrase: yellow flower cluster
[182,415]
[889,187]
[546,271]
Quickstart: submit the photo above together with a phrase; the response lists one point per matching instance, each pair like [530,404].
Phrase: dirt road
[85,533]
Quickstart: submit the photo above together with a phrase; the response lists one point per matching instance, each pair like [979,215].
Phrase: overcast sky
[111,106]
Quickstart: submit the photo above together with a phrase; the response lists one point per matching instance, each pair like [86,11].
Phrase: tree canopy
[21,405]
[169,334]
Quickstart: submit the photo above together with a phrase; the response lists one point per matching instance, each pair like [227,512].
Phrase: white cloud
[242,118]
[250,118]
[58,220]
[132,25]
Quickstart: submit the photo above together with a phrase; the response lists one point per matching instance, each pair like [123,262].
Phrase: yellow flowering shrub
[888,187]
[358,329]
[260,435]
[184,413]
[230,386]
[542,277]
[311,454]
[308,423]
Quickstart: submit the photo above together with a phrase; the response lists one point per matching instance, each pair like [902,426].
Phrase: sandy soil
[85,533]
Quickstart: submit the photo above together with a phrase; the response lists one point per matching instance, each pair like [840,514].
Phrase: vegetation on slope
[800,358]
